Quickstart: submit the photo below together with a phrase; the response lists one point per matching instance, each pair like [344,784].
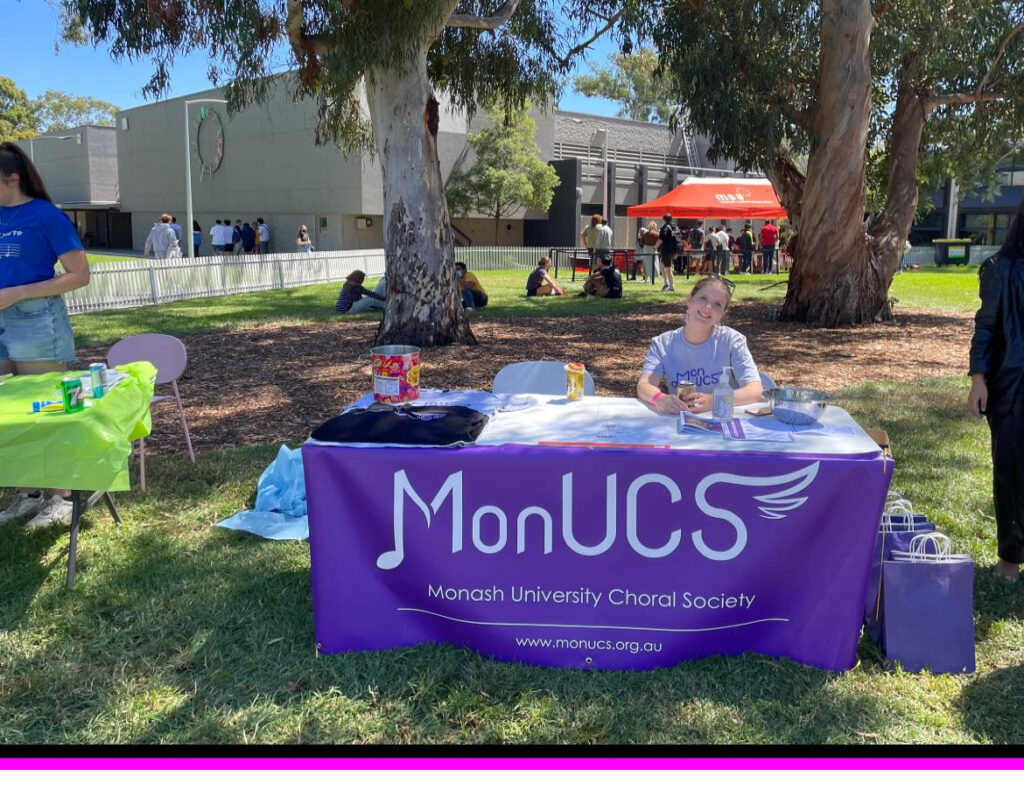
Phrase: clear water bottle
[723,397]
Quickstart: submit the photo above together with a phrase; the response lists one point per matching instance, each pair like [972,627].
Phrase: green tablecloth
[86,450]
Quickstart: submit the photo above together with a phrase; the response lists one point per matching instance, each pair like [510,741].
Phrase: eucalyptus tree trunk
[423,306]
[892,227]
[835,281]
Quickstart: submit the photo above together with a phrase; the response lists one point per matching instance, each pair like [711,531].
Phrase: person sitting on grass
[606,282]
[540,284]
[354,298]
[699,352]
[473,294]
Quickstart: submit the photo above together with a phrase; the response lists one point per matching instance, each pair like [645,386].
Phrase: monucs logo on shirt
[701,377]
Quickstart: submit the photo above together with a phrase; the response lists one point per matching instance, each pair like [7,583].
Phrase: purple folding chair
[168,354]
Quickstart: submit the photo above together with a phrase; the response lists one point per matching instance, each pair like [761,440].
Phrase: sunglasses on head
[729,284]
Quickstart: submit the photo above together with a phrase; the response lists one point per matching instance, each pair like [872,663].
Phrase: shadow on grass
[182,633]
[992,704]
[208,639]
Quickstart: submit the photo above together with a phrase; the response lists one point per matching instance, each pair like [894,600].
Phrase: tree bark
[423,306]
[833,282]
[891,228]
[788,182]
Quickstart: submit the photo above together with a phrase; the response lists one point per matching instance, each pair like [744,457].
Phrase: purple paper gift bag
[895,534]
[928,611]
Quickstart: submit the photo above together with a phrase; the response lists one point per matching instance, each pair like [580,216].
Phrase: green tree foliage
[754,89]
[401,52]
[17,113]
[508,174]
[635,83]
[59,111]
[947,99]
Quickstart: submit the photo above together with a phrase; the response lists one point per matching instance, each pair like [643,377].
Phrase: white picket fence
[135,283]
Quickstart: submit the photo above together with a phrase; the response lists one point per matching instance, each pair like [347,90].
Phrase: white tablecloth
[628,421]
[599,420]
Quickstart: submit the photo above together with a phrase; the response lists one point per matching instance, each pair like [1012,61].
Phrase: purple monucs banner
[592,558]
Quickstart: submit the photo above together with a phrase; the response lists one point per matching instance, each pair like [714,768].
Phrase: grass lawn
[950,288]
[180,632]
[95,259]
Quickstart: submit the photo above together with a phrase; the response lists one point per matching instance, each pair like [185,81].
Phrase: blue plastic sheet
[280,511]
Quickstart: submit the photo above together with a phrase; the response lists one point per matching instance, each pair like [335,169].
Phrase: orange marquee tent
[714,198]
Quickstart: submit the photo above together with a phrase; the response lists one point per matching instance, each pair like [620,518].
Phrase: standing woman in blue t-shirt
[35,332]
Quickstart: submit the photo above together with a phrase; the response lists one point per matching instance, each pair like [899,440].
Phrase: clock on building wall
[209,140]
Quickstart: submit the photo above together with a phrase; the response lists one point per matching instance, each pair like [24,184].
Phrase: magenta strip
[194,764]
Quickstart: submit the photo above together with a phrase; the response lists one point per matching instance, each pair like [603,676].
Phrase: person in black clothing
[668,247]
[605,282]
[997,388]
[248,235]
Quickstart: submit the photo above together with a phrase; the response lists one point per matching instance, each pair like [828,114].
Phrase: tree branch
[963,99]
[564,61]
[301,43]
[999,55]
[495,20]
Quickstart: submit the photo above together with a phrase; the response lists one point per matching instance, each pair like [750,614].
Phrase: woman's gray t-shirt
[673,357]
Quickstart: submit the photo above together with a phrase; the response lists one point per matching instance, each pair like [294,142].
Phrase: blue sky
[29,58]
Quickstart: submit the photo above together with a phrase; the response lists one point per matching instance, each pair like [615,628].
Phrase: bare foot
[1008,571]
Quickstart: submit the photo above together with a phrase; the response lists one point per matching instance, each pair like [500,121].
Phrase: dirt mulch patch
[274,384]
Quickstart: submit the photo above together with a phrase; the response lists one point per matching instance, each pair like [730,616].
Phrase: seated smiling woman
[698,352]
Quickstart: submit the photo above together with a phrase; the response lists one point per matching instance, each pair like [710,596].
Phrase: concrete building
[79,168]
[262,162]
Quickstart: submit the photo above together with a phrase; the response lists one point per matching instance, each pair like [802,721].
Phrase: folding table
[85,452]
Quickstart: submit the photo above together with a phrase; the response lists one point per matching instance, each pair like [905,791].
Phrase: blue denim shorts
[36,330]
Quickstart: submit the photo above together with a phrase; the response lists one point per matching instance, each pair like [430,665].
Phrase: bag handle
[918,551]
[897,506]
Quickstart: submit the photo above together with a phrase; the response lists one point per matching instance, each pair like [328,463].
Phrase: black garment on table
[997,350]
[404,424]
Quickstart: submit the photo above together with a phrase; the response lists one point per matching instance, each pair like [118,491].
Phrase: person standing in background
[248,236]
[588,238]
[226,236]
[264,237]
[197,236]
[769,240]
[997,388]
[647,242]
[302,241]
[746,246]
[669,246]
[178,234]
[162,242]
[35,331]
[215,236]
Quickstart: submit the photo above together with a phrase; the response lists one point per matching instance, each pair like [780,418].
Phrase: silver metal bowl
[797,405]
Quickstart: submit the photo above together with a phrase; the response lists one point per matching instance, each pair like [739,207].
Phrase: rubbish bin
[952,250]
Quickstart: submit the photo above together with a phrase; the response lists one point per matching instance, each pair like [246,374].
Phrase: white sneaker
[23,505]
[56,511]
